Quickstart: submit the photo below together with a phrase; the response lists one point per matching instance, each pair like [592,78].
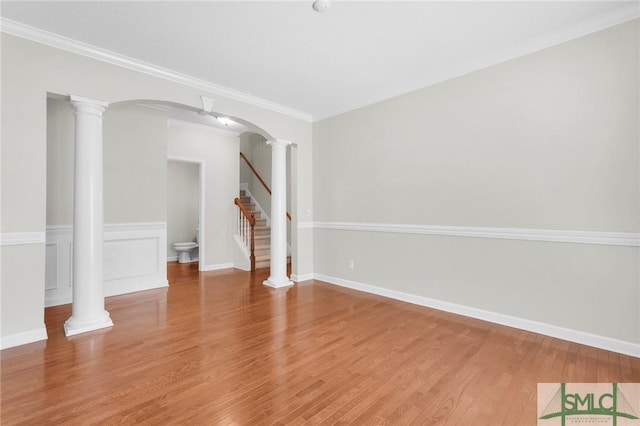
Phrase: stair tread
[262,234]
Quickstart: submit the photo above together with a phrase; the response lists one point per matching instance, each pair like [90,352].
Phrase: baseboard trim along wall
[135,260]
[217,266]
[302,277]
[576,336]
[631,239]
[23,338]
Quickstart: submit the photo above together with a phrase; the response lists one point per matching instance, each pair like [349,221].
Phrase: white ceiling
[321,64]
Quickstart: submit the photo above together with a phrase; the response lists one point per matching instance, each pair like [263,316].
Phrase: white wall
[219,154]
[183,203]
[31,70]
[548,141]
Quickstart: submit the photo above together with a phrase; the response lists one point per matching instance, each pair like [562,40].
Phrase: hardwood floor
[221,348]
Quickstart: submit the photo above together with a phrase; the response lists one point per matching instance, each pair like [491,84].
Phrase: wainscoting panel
[58,266]
[134,260]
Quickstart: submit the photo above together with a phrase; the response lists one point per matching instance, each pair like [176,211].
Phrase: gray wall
[60,141]
[135,153]
[254,147]
[545,141]
[183,203]
[135,165]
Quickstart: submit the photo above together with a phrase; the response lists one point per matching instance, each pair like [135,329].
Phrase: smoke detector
[321,5]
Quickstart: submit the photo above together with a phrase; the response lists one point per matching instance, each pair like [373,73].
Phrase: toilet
[184,251]
[187,252]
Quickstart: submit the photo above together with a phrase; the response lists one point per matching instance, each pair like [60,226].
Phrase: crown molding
[629,239]
[579,29]
[18,29]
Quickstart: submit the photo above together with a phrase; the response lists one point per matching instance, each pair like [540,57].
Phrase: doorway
[185,207]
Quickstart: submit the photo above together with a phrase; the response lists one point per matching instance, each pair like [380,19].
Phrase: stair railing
[246,225]
[255,172]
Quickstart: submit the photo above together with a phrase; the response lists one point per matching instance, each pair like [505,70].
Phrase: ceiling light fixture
[321,5]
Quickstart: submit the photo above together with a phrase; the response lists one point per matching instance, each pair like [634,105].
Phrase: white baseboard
[217,266]
[58,300]
[133,285]
[115,288]
[23,338]
[302,277]
[175,259]
[576,336]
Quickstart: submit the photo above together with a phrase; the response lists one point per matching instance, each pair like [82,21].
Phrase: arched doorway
[135,158]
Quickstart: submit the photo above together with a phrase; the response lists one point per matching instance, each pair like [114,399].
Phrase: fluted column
[278,274]
[87,312]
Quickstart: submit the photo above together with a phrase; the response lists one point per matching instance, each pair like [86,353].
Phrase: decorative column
[87,312]
[278,274]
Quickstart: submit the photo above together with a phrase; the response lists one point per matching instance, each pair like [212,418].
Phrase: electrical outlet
[308,212]
[352,265]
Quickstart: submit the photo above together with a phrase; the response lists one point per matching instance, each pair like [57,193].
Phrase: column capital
[88,105]
[279,143]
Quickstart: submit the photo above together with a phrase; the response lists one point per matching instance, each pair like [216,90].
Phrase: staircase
[262,232]
[254,236]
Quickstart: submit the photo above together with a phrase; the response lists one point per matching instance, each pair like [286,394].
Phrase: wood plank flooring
[219,348]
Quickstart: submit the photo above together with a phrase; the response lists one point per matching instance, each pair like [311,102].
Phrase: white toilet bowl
[184,251]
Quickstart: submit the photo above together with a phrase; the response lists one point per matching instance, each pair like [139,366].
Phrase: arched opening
[140,137]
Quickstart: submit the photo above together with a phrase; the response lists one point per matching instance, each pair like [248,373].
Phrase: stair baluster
[246,224]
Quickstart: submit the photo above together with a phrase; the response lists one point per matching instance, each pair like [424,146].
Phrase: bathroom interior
[183,206]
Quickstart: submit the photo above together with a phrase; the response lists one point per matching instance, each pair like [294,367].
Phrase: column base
[73,326]
[278,283]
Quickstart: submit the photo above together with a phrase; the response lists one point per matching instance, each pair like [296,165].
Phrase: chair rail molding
[19,238]
[631,239]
